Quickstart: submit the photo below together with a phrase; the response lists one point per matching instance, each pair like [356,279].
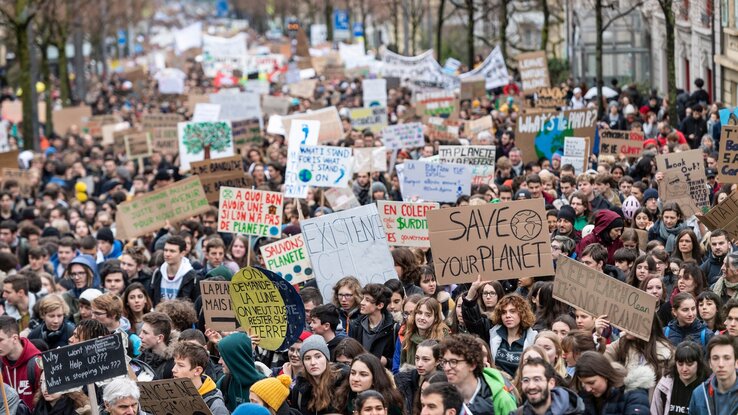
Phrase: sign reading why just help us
[83,363]
[497,241]
[626,307]
[250,212]
[267,306]
[288,259]
[324,166]
[405,223]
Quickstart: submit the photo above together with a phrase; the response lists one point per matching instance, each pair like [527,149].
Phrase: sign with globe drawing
[497,241]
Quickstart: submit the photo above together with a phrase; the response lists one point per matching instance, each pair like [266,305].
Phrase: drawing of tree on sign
[206,137]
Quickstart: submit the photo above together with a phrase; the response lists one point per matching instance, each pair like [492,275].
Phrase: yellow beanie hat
[273,391]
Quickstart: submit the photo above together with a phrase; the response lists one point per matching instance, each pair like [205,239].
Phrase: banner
[723,216]
[331,128]
[728,160]
[288,259]
[493,70]
[302,133]
[369,159]
[172,396]
[434,182]
[202,141]
[625,306]
[374,92]
[615,142]
[223,54]
[217,307]
[323,166]
[420,71]
[250,212]
[400,136]
[351,242]
[497,241]
[188,37]
[689,167]
[481,158]
[541,134]
[374,119]
[533,69]
[405,223]
[148,212]
[550,98]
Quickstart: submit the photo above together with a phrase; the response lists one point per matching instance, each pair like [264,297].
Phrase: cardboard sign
[435,182]
[272,105]
[194,99]
[203,140]
[691,166]
[626,307]
[541,134]
[250,212]
[138,145]
[67,117]
[403,136]
[533,69]
[550,98]
[267,306]
[324,166]
[109,130]
[9,159]
[675,188]
[642,239]
[303,89]
[246,133]
[728,160]
[373,119]
[148,212]
[331,128]
[288,259]
[473,88]
[475,127]
[215,173]
[341,198]
[405,223]
[481,158]
[172,397]
[497,241]
[206,112]
[616,142]
[437,104]
[23,177]
[238,106]
[302,133]
[154,121]
[83,363]
[217,306]
[374,92]
[351,242]
[12,111]
[369,159]
[723,216]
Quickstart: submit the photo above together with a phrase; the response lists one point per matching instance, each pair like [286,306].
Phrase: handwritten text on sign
[403,136]
[481,158]
[172,396]
[436,182]
[324,166]
[691,165]
[287,258]
[250,212]
[217,307]
[728,161]
[598,294]
[724,216]
[496,241]
[405,223]
[616,142]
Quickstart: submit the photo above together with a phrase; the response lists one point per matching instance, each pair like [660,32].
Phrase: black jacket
[380,341]
[474,320]
[408,383]
[189,288]
[302,392]
[53,339]
[618,402]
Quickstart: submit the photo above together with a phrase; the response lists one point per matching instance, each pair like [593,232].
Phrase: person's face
[622,265]
[578,205]
[564,226]
[660,265]
[45,284]
[685,244]
[428,285]
[549,347]
[596,385]
[360,377]
[102,316]
[128,264]
[588,261]
[489,296]
[534,189]
[425,363]
[424,317]
[457,369]
[363,179]
[641,220]
[6,203]
[215,256]
[315,363]
[515,158]
[731,322]
[104,246]
[641,271]
[685,283]
[183,369]
[172,255]
[505,196]
[123,406]
[585,187]
[317,326]
[510,316]
[78,275]
[368,305]
[670,218]
[566,188]
[309,306]
[137,301]
[254,398]
[149,338]
[85,312]
[686,313]
[432,404]
[707,309]
[722,362]
[114,283]
[719,245]
[555,249]
[238,250]
[293,353]
[561,329]
[54,319]
[346,298]
[615,233]
[551,223]
[11,296]
[81,229]
[8,343]
[395,305]
[536,387]
[687,371]
[373,406]
[626,188]
[584,321]
[209,221]
[6,236]
[655,287]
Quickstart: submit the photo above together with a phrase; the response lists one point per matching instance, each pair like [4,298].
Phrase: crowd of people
[405,347]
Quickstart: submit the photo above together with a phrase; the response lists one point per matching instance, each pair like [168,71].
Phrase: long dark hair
[127,308]
[688,352]
[696,247]
[648,350]
[380,382]
[695,272]
[719,322]
[548,307]
[365,396]
[592,364]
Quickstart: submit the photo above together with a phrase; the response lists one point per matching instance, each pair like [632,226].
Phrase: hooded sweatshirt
[183,285]
[238,355]
[708,400]
[15,373]
[212,397]
[563,402]
[603,219]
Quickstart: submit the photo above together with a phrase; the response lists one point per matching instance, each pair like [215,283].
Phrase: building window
[724,12]
[684,10]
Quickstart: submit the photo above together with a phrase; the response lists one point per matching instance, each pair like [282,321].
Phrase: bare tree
[414,10]
[667,7]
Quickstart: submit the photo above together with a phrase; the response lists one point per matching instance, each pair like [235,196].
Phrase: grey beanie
[315,342]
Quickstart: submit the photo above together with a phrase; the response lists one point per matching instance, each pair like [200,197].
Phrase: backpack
[703,335]
[502,397]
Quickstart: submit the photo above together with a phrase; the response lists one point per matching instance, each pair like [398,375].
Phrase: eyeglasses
[452,363]
[99,313]
[489,294]
[344,295]
[75,275]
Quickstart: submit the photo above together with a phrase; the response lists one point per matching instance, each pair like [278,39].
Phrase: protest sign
[246,133]
[217,307]
[374,119]
[272,105]
[533,69]
[331,128]
[481,158]
[616,142]
[250,212]
[171,81]
[303,89]
[493,70]
[67,117]
[625,306]
[497,241]
[194,99]
[692,168]
[374,92]
[288,259]
[154,121]
[149,212]
[443,129]
[550,98]
[172,397]
[324,166]
[267,306]
[302,133]
[238,106]
[23,177]
[576,153]
[728,159]
[109,130]
[472,88]
[206,112]
[203,141]
[435,182]
[405,223]
[642,239]
[541,134]
[351,242]
[674,187]
[225,55]
[723,216]
[188,37]
[474,127]
[369,159]
[437,104]
[12,111]
[224,171]
[138,145]
[165,140]
[341,198]
[9,159]
[403,136]
[83,363]
[421,71]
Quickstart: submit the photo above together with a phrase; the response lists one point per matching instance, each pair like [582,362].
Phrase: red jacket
[603,219]
[16,374]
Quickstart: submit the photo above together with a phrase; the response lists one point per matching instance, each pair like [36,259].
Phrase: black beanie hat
[567,213]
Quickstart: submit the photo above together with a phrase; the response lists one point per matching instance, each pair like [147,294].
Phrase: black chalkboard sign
[80,364]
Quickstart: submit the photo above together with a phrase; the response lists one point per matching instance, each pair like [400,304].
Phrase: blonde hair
[51,303]
[559,364]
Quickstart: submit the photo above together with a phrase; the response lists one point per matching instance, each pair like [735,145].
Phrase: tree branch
[622,14]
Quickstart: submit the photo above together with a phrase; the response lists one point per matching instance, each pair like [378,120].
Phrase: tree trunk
[439,30]
[470,33]
[598,58]
[25,82]
[396,23]
[206,152]
[413,31]
[79,63]
[666,7]
[65,89]
[546,20]
[503,28]
[329,20]
[46,75]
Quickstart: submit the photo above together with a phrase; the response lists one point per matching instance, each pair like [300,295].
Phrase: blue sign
[358,29]
[341,20]
[122,37]
[221,8]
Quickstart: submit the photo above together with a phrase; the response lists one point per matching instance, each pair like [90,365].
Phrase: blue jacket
[697,332]
[707,400]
